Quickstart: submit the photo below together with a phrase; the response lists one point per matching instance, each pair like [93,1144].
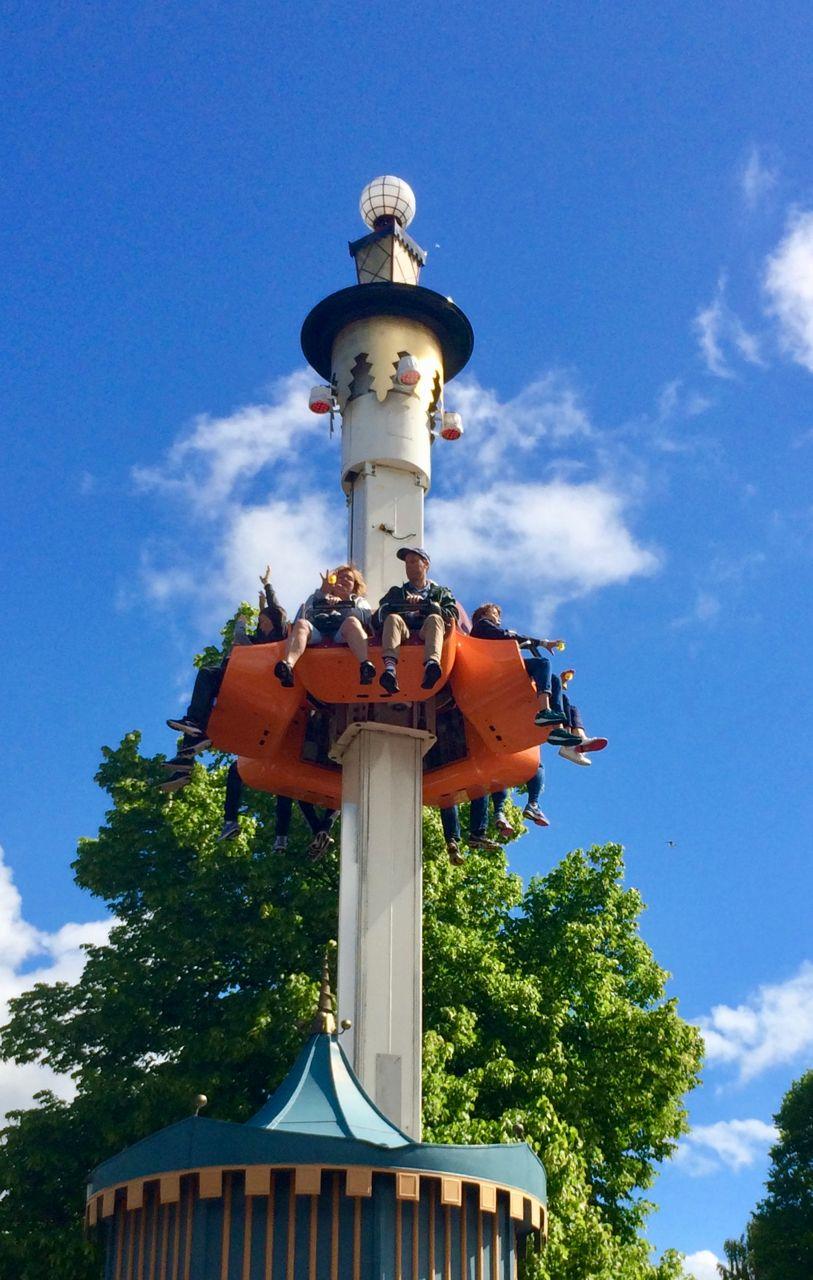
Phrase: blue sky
[621,199]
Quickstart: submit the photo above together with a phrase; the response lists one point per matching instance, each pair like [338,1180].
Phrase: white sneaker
[571,754]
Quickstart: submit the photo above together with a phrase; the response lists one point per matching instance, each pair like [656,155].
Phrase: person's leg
[478,822]
[450,821]
[297,641]
[282,825]
[478,816]
[557,694]
[539,671]
[501,822]
[231,808]
[536,784]
[311,816]
[432,633]
[205,690]
[320,828]
[393,634]
[355,637]
[234,792]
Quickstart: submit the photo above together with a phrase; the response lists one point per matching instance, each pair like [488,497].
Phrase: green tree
[544,1013]
[738,1263]
[780,1234]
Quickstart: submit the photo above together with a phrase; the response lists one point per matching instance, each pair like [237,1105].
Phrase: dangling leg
[282,825]
[231,809]
[536,785]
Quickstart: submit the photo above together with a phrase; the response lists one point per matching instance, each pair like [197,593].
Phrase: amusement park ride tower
[386,346]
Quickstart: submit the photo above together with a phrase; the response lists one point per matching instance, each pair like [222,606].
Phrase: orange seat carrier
[266,725]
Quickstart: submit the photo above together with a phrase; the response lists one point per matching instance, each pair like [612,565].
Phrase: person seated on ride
[487,625]
[272,625]
[320,825]
[421,605]
[338,611]
[577,753]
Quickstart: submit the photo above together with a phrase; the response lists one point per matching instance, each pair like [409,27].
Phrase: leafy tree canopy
[544,1011]
[780,1234]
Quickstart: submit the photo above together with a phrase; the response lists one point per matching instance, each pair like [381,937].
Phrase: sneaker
[186,726]
[534,814]
[177,779]
[504,828]
[570,753]
[563,738]
[455,853]
[366,673]
[592,744]
[199,744]
[483,842]
[550,717]
[319,845]
[432,671]
[229,831]
[284,673]
[281,844]
[389,681]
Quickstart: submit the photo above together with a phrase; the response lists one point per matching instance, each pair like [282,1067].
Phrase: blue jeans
[560,702]
[536,784]
[478,820]
[450,821]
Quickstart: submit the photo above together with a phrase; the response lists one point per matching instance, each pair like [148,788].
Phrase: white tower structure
[385,346]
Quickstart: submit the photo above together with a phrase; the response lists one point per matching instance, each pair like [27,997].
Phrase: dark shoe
[285,674]
[543,718]
[199,744]
[366,673]
[534,814]
[455,853]
[230,830]
[186,726]
[319,845]
[483,842]
[176,780]
[281,844]
[389,681]
[432,672]
[561,738]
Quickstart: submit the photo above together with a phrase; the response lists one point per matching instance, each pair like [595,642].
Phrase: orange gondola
[482,715]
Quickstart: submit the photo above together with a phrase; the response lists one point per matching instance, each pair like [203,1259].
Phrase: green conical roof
[321,1096]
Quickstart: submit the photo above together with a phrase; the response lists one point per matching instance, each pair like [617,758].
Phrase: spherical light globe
[387,197]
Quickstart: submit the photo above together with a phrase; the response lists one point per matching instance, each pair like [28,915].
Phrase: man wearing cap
[419,605]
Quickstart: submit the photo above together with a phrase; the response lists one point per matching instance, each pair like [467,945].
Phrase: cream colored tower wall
[380,914]
[386,439]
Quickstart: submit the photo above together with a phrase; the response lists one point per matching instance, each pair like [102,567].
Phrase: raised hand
[265,578]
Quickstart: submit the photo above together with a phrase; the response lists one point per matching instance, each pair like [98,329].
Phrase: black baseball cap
[403,552]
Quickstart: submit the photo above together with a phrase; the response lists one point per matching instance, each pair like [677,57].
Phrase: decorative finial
[325,1020]
[200,1102]
[387,199]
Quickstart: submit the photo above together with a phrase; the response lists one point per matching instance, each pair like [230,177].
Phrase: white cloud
[733,1144]
[57,957]
[774,1027]
[568,538]
[719,329]
[757,178]
[702,1265]
[210,463]
[789,286]
[489,516]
